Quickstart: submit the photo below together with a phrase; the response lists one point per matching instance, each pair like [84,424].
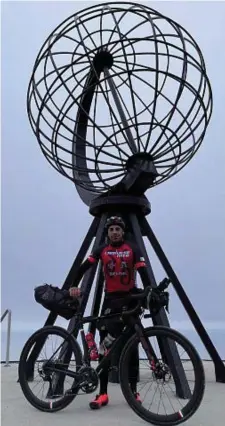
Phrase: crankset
[88,381]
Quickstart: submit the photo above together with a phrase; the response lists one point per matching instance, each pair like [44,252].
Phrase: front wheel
[45,389]
[170,385]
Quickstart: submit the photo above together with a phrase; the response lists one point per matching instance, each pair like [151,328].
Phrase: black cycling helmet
[115,220]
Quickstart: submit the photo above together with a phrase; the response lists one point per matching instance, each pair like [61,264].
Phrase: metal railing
[9,313]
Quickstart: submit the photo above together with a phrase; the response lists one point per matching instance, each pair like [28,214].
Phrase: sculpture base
[123,203]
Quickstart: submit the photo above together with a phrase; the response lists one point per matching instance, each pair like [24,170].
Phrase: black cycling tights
[133,370]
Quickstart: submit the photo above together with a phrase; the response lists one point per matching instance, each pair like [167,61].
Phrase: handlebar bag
[56,300]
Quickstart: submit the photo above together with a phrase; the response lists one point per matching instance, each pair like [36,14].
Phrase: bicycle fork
[152,358]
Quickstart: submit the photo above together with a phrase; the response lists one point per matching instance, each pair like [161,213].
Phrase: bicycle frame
[133,322]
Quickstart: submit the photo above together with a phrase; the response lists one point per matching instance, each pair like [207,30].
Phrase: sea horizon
[20,332]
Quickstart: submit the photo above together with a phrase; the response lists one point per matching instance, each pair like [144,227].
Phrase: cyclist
[120,259]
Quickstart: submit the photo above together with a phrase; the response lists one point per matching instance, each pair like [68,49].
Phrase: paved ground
[16,411]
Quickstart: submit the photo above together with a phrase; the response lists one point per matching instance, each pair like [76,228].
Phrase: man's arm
[142,270]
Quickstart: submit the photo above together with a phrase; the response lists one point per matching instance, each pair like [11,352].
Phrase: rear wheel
[170,391]
[43,388]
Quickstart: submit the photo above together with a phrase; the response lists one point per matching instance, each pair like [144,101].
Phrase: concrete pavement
[16,411]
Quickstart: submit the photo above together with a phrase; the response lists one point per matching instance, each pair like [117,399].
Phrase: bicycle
[164,369]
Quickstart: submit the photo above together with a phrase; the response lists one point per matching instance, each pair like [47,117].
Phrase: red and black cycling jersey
[119,265]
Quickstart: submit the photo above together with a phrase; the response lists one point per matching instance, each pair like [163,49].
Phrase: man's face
[115,233]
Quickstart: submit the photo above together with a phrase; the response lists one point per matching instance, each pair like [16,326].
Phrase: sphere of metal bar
[113,80]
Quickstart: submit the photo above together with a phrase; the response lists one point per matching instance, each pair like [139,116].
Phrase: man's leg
[102,398]
[134,371]
[104,378]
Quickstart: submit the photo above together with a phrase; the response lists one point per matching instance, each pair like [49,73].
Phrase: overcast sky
[43,219]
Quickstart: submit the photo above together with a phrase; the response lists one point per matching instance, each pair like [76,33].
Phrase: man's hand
[74,292]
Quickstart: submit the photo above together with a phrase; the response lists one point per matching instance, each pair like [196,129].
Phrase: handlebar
[161,287]
[139,297]
[164,284]
[146,294]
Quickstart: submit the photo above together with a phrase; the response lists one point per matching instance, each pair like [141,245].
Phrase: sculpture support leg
[218,363]
[167,348]
[57,386]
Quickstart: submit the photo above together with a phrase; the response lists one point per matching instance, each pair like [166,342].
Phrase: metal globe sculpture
[119,101]
[114,85]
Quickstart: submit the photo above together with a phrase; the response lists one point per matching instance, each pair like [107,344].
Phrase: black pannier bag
[56,300]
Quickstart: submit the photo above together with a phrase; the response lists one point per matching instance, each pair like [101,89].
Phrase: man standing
[120,259]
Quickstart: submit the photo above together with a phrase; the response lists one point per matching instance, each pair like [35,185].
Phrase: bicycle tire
[195,401]
[54,405]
